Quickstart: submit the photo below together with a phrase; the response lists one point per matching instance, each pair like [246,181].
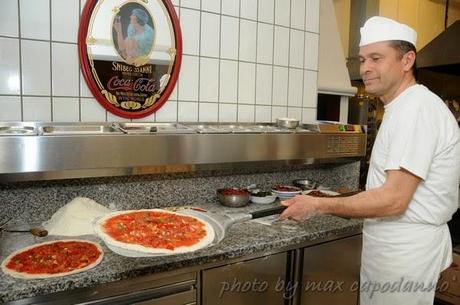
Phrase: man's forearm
[378,202]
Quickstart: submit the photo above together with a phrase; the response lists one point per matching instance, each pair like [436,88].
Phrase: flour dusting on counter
[75,218]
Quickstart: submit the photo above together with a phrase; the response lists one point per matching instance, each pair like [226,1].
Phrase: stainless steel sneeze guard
[89,154]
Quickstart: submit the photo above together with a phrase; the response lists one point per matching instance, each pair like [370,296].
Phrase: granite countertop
[241,239]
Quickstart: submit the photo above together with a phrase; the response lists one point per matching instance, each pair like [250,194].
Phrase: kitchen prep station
[144,212]
[125,167]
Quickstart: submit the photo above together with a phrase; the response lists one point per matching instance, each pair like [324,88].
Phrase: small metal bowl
[233,200]
[305,184]
[287,123]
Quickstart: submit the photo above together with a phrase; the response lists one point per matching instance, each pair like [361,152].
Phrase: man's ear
[408,60]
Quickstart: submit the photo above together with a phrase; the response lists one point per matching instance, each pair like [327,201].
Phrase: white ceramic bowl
[263,200]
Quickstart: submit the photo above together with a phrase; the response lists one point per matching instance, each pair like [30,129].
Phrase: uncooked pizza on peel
[52,259]
[154,231]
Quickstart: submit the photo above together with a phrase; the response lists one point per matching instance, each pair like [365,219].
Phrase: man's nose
[364,67]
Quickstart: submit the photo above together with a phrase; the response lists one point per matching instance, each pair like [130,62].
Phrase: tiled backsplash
[244,60]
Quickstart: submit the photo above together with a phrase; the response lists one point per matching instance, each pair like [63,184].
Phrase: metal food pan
[204,128]
[18,130]
[147,128]
[79,130]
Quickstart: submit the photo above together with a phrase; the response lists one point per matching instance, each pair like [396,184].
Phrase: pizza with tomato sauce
[154,231]
[52,259]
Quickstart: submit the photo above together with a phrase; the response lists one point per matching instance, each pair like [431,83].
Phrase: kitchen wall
[244,60]
[425,16]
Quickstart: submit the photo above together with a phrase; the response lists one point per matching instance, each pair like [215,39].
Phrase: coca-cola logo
[141,84]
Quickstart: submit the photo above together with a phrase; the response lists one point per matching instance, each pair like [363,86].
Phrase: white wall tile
[309,115]
[64,20]
[11,108]
[311,51]
[231,7]
[228,81]
[35,19]
[190,27]
[296,50]
[295,87]
[91,110]
[230,34]
[188,79]
[9,66]
[9,18]
[84,89]
[282,12]
[295,113]
[167,113]
[37,109]
[266,11]
[210,6]
[210,32]
[227,87]
[209,112]
[263,84]
[248,35]
[280,85]
[66,109]
[115,118]
[35,67]
[187,112]
[310,93]
[246,113]
[65,69]
[190,3]
[173,95]
[312,15]
[263,114]
[227,112]
[265,43]
[278,112]
[149,118]
[247,83]
[249,9]
[209,80]
[281,52]
[298,14]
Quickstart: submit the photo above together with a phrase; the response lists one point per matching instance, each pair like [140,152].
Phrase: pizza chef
[413,178]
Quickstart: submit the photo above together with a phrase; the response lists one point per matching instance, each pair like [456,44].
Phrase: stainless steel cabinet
[257,281]
[161,289]
[331,272]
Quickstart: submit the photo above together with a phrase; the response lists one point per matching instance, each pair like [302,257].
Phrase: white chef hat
[378,29]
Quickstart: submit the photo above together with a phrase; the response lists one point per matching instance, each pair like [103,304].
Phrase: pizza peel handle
[268,212]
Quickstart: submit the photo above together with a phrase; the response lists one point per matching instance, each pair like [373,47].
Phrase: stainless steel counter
[54,152]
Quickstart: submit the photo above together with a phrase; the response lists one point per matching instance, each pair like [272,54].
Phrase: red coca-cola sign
[130,54]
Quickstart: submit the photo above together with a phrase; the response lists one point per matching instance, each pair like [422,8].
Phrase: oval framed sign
[130,54]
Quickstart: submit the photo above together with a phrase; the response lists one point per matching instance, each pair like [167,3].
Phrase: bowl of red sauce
[233,197]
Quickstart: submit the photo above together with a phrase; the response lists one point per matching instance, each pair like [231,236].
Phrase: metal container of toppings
[233,197]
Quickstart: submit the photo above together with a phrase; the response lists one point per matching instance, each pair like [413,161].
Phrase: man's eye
[376,59]
[361,60]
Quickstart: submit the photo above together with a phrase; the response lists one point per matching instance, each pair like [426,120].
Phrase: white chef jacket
[403,256]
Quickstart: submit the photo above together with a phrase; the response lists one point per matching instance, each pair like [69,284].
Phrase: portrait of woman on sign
[133,33]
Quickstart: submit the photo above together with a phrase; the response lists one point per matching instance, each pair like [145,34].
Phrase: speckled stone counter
[29,203]
[241,239]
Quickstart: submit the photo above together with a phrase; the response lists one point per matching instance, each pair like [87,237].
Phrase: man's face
[382,68]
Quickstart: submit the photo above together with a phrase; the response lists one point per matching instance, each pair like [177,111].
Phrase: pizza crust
[28,276]
[139,250]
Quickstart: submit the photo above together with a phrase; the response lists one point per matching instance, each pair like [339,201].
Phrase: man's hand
[300,207]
